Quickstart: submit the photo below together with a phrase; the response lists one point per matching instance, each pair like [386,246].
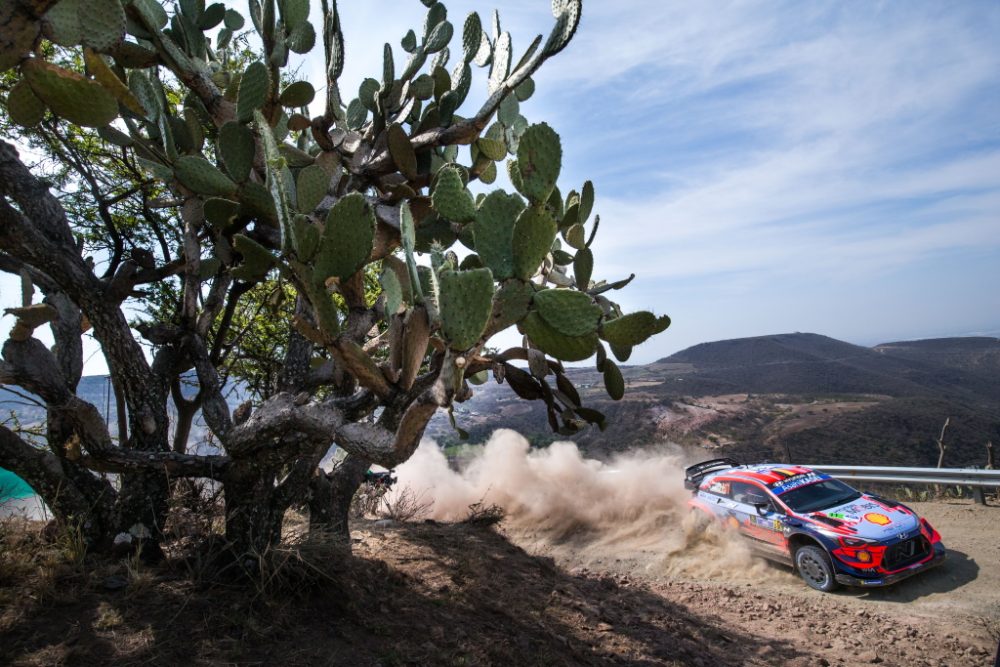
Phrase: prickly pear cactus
[465,304]
[313,183]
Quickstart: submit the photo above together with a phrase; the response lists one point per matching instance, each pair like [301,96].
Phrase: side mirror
[760,502]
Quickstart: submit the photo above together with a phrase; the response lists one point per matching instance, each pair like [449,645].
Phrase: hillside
[802,396]
[975,354]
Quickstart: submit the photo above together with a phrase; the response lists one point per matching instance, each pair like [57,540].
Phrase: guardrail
[973,477]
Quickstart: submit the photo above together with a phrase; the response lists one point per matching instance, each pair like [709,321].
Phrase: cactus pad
[257,260]
[567,13]
[534,232]
[450,198]
[297,94]
[294,12]
[23,105]
[71,96]
[472,35]
[493,232]
[311,187]
[555,344]
[613,380]
[256,201]
[465,303]
[347,239]
[510,303]
[306,237]
[236,148]
[62,23]
[583,268]
[220,212]
[144,91]
[102,24]
[401,151]
[539,159]
[621,352]
[569,312]
[105,76]
[634,328]
[586,201]
[203,177]
[255,86]
[392,289]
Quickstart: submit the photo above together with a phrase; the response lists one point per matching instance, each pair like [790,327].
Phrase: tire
[814,566]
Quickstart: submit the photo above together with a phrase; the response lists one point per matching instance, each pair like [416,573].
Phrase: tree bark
[75,496]
[331,494]
[253,517]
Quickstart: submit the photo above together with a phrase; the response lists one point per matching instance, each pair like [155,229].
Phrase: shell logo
[878,519]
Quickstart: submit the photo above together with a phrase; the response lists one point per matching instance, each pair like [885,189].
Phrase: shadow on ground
[412,594]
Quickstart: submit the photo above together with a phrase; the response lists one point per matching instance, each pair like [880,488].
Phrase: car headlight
[855,541]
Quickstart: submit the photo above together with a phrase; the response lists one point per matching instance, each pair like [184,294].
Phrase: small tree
[229,193]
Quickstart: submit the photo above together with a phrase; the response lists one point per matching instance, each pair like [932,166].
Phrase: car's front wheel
[815,568]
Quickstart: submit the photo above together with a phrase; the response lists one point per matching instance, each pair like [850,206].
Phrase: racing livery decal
[829,532]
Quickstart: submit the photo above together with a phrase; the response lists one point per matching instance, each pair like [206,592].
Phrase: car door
[765,527]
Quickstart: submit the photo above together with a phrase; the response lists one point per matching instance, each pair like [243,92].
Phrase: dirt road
[949,616]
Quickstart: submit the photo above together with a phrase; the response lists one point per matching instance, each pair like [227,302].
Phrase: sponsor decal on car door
[765,529]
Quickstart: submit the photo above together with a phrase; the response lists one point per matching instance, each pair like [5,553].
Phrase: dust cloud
[628,514]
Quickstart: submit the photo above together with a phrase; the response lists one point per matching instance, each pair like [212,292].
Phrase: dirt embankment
[595,564]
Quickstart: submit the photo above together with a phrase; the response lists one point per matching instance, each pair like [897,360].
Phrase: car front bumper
[889,579]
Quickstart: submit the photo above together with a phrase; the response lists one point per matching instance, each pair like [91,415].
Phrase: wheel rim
[813,569]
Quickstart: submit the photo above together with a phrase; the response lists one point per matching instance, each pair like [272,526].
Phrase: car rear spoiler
[694,474]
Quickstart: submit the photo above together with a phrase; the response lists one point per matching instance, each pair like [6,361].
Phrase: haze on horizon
[769,167]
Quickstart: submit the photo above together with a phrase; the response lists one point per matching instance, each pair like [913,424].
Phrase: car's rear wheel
[815,568]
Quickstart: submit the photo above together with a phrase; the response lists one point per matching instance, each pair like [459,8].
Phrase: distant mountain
[973,354]
[797,396]
[789,396]
[810,363]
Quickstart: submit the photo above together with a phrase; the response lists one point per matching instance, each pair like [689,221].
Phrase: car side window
[741,492]
[718,488]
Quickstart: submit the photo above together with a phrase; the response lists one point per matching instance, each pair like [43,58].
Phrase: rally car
[828,532]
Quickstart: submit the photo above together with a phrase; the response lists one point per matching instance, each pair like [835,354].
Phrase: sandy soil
[949,616]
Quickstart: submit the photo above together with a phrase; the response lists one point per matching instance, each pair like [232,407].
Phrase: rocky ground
[467,594]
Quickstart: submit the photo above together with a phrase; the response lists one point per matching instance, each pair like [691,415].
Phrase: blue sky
[831,167]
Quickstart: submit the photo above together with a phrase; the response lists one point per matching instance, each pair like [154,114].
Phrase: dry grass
[484,515]
[405,505]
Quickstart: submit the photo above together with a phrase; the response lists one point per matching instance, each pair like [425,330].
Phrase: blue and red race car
[830,533]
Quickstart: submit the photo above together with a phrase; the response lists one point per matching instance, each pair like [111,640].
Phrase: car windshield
[820,495]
